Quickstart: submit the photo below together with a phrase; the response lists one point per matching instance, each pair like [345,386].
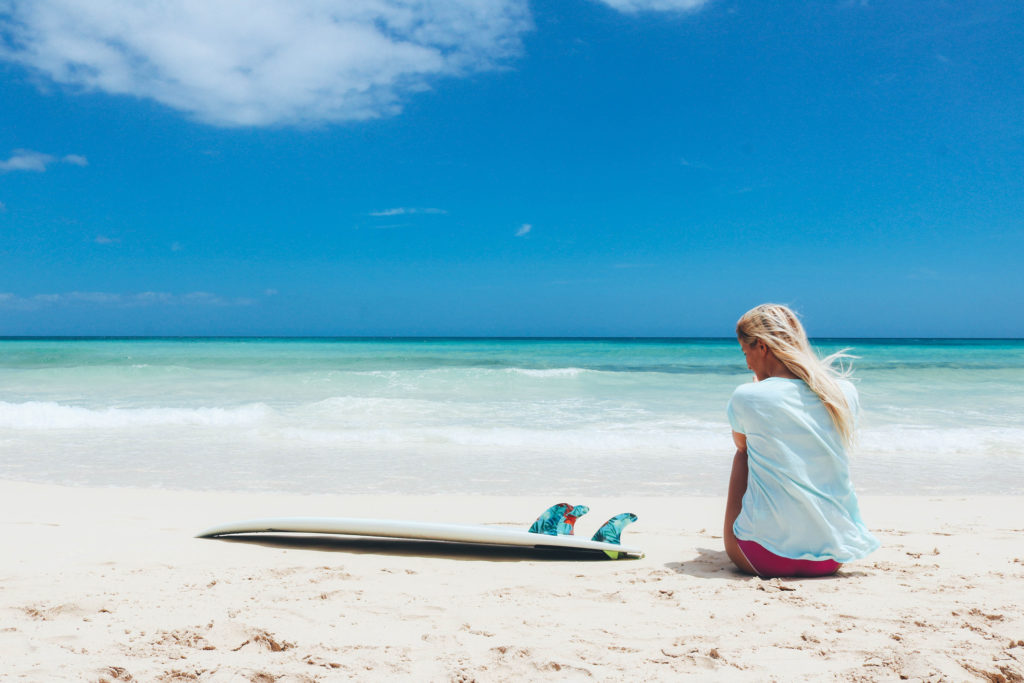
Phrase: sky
[510,167]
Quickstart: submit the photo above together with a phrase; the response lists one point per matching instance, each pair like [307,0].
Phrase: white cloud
[524,230]
[634,6]
[262,62]
[146,298]
[26,160]
[30,160]
[103,239]
[402,211]
[37,301]
[3,207]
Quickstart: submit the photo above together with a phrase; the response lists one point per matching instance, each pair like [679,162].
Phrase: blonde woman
[791,509]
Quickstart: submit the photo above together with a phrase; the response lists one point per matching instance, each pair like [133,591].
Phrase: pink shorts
[767,564]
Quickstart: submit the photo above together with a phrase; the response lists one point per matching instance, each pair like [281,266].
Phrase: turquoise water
[502,416]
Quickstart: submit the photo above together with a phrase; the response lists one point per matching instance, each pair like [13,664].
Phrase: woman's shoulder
[769,386]
[744,389]
[850,392]
[749,391]
[770,390]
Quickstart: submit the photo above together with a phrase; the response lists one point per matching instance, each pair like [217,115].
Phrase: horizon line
[128,337]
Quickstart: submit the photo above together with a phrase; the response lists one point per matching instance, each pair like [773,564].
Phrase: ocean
[558,417]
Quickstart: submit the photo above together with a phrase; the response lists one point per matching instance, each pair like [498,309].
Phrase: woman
[791,509]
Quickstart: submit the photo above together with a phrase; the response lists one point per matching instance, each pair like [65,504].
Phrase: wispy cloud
[524,230]
[26,160]
[634,6]
[402,211]
[103,239]
[694,164]
[137,299]
[30,160]
[262,62]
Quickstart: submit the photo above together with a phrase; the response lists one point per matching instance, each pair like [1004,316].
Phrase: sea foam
[47,415]
[470,416]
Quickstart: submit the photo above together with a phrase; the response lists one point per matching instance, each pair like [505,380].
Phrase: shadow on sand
[399,547]
[716,564]
[709,564]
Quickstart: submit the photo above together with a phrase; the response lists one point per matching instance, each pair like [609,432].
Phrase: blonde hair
[780,330]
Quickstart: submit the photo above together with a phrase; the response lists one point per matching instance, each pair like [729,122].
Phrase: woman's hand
[741,442]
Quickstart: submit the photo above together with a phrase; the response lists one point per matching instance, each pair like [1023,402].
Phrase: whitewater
[489,416]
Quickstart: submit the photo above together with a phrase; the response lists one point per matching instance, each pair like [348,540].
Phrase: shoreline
[105,583]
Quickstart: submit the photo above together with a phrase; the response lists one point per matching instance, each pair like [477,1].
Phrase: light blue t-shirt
[799,502]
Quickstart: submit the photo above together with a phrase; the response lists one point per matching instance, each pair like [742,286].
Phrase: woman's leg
[733,506]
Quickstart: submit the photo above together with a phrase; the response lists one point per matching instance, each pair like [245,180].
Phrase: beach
[105,584]
[444,266]
[116,453]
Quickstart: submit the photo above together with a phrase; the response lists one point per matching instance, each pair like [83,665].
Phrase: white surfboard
[428,531]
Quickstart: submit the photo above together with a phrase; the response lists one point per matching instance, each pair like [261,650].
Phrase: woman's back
[799,501]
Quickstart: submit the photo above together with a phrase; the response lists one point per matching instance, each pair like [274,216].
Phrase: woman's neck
[775,368]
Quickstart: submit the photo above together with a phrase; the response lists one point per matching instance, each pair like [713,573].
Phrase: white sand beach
[110,585]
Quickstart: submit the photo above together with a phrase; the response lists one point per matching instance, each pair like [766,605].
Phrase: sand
[110,585]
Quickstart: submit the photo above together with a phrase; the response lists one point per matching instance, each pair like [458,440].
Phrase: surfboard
[553,529]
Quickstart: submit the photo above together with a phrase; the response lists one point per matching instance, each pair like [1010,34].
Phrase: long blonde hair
[780,330]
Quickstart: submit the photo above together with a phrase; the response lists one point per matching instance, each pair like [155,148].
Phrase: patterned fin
[558,520]
[549,521]
[611,531]
[565,527]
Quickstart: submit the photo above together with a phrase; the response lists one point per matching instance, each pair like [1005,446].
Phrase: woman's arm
[734,503]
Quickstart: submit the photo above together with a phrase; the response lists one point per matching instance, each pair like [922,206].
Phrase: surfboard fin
[558,520]
[565,527]
[611,532]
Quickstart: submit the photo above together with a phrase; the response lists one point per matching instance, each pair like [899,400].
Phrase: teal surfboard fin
[611,532]
[558,520]
[565,527]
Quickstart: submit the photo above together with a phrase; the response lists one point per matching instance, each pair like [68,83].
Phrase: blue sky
[558,167]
